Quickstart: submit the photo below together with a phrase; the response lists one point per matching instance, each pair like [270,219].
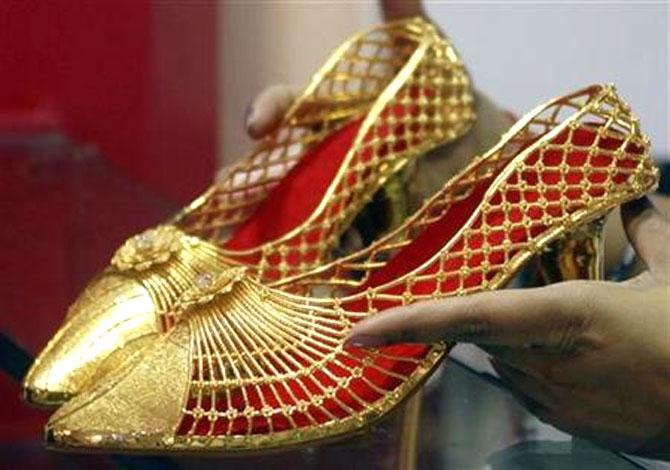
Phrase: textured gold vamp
[119,311]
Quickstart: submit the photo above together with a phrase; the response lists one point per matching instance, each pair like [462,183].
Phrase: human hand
[589,357]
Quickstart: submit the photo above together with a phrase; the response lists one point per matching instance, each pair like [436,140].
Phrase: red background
[132,81]
[137,79]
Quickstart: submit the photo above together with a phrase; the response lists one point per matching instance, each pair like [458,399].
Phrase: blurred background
[519,53]
[114,113]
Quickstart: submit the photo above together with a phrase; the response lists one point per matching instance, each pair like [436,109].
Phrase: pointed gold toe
[106,324]
[118,312]
[94,418]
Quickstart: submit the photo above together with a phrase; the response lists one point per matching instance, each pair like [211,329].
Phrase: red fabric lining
[298,193]
[428,242]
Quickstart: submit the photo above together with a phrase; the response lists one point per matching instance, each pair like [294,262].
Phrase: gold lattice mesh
[595,106]
[384,97]
[268,363]
[406,86]
[409,86]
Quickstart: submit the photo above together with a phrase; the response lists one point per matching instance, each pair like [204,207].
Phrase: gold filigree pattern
[267,368]
[597,105]
[209,285]
[414,93]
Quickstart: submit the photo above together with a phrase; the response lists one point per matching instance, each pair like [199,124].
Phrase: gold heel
[388,208]
[409,432]
[580,255]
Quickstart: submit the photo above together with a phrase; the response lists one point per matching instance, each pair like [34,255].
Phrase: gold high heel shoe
[384,97]
[250,368]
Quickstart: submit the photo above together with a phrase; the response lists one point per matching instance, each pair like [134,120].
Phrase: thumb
[648,231]
[551,316]
[266,111]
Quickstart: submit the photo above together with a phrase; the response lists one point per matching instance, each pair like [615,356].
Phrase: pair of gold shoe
[223,330]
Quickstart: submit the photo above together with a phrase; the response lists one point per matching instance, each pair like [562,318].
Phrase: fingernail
[640,205]
[249,117]
[364,341]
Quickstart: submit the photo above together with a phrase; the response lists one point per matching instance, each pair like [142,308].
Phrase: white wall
[522,54]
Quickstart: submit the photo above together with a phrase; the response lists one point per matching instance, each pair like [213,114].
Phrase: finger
[662,204]
[398,9]
[647,231]
[266,111]
[551,316]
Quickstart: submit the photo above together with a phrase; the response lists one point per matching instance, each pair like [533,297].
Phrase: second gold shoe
[250,368]
[384,97]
